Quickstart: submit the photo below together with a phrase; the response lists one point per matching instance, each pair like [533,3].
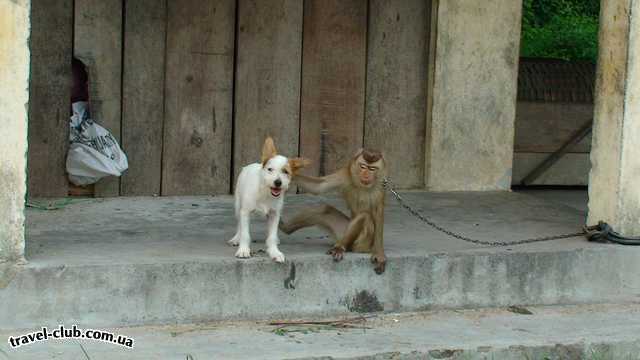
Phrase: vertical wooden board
[333,81]
[198,103]
[143,95]
[396,86]
[98,44]
[543,127]
[51,44]
[570,170]
[432,28]
[267,94]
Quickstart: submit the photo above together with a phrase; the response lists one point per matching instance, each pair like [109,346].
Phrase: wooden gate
[191,87]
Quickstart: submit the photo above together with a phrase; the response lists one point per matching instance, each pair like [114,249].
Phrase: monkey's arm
[319,185]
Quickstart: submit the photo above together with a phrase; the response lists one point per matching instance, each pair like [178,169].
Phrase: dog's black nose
[277,183]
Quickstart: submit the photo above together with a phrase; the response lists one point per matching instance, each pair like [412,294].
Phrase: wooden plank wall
[199,90]
[267,92]
[143,95]
[397,86]
[571,170]
[194,87]
[545,127]
[333,82]
[98,44]
[541,129]
[51,44]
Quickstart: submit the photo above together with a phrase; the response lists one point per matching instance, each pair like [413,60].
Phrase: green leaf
[564,29]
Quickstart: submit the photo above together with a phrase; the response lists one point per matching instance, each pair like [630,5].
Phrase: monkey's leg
[359,234]
[303,219]
[325,216]
[364,242]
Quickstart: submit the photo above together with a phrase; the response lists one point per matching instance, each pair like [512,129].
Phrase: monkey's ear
[298,163]
[268,149]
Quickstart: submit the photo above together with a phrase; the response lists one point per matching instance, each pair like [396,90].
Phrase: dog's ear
[298,163]
[268,150]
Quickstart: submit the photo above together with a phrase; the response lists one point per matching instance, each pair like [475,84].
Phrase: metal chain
[387,185]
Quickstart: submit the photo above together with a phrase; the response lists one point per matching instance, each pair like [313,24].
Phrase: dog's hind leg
[235,240]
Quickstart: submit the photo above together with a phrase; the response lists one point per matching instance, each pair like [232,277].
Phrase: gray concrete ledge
[139,261]
[587,332]
[120,295]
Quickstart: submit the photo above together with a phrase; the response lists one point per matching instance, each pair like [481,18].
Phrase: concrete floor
[144,261]
[593,332]
[575,198]
[173,229]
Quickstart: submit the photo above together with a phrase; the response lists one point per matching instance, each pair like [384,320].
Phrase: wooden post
[333,82]
[396,86]
[267,93]
[143,95]
[51,45]
[98,44]
[198,102]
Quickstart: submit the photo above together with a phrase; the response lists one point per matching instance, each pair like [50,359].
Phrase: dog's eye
[270,169]
[285,172]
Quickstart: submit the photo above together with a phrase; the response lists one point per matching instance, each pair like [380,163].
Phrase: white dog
[261,188]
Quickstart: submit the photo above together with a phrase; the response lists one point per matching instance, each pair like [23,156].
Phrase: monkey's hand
[337,252]
[380,261]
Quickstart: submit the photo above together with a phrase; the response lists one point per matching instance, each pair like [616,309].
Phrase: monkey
[361,185]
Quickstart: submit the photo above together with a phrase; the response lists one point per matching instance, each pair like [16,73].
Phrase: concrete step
[588,332]
[161,293]
[143,261]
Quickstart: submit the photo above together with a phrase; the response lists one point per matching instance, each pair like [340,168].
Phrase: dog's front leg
[245,236]
[273,219]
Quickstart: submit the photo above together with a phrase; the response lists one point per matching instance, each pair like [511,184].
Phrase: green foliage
[564,29]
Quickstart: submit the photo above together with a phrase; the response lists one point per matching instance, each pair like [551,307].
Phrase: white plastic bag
[93,152]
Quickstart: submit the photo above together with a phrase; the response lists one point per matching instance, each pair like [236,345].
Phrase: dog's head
[278,170]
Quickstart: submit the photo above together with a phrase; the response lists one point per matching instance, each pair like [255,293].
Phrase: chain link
[387,185]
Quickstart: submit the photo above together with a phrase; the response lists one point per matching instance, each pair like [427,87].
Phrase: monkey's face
[276,174]
[366,173]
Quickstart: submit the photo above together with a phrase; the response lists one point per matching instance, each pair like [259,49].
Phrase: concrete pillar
[14,97]
[614,184]
[470,128]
